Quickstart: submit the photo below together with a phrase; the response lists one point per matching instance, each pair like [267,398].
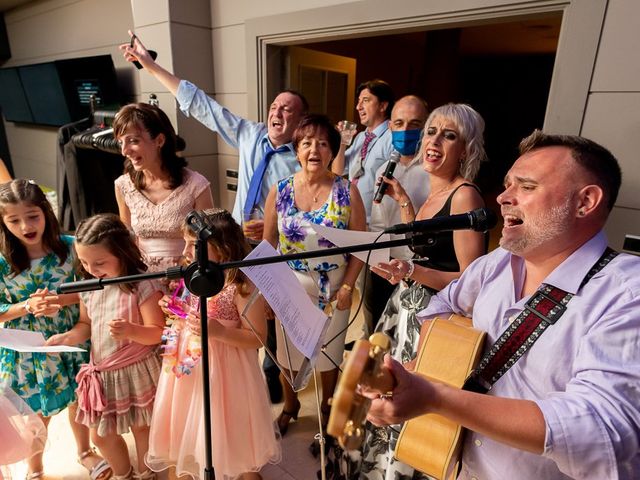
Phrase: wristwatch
[27,307]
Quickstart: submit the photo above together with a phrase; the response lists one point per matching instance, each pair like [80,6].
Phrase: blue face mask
[406,141]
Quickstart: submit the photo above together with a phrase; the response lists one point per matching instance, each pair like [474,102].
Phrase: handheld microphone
[388,173]
[478,220]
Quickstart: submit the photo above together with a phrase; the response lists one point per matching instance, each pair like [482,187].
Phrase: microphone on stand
[388,173]
[479,220]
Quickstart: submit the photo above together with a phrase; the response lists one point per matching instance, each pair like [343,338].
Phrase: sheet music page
[302,319]
[27,341]
[347,238]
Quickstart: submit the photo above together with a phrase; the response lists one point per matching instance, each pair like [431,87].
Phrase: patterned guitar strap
[541,311]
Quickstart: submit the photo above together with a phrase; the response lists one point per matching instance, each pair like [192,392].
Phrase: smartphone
[152,53]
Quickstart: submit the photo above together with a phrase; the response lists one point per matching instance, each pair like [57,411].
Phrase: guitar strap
[541,311]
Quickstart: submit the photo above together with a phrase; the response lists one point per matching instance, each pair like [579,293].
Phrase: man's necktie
[368,136]
[255,187]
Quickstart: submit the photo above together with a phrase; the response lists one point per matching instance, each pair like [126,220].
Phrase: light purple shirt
[583,372]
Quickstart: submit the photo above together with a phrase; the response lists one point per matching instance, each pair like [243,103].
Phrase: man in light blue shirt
[252,139]
[372,147]
[570,406]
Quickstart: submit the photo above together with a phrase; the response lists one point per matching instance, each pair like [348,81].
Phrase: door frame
[580,33]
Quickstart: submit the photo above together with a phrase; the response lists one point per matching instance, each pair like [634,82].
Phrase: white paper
[27,341]
[347,238]
[302,320]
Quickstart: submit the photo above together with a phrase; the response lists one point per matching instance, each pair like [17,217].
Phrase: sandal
[127,476]
[34,475]
[99,471]
[146,475]
[286,416]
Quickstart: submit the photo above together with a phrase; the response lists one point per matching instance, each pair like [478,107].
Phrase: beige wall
[612,116]
[219,44]
[53,30]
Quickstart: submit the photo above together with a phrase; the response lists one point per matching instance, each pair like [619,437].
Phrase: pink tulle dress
[243,431]
[22,433]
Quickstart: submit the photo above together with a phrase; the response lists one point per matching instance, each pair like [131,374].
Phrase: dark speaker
[5,50]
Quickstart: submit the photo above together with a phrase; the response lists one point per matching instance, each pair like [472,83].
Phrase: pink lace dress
[158,227]
[243,431]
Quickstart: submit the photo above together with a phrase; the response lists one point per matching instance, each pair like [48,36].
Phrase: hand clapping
[44,303]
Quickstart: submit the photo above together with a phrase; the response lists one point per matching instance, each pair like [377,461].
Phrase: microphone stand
[205,279]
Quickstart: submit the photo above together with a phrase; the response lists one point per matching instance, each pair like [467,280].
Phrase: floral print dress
[320,277]
[46,382]
[296,234]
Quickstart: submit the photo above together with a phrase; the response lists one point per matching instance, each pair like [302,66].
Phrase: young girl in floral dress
[34,259]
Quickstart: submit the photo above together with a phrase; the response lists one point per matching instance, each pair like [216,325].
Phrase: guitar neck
[381,380]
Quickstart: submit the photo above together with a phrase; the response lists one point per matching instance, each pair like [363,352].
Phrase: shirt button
[478,443]
[474,478]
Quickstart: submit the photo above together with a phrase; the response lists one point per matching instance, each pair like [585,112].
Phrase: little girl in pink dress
[243,431]
[22,432]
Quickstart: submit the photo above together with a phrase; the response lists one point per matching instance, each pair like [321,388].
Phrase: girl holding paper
[34,260]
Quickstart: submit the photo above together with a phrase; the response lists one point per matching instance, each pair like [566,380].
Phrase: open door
[328,81]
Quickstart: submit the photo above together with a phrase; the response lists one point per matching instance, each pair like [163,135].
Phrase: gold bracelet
[347,287]
[404,205]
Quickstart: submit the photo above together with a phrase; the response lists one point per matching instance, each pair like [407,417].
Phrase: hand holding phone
[152,53]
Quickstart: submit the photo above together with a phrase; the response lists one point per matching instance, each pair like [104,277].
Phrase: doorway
[503,70]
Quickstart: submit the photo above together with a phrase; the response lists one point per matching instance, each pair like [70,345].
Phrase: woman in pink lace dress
[157,190]
[244,436]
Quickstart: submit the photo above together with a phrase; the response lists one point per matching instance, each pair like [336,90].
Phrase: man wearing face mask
[408,117]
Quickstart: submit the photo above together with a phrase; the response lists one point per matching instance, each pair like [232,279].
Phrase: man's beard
[542,228]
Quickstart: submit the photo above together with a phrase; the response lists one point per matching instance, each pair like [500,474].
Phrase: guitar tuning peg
[352,438]
[380,342]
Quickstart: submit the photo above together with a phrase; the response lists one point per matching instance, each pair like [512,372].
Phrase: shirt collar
[264,141]
[569,274]
[380,129]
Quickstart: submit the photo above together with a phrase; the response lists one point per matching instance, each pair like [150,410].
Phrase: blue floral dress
[320,277]
[46,382]
[296,234]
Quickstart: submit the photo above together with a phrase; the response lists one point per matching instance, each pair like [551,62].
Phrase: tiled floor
[297,461]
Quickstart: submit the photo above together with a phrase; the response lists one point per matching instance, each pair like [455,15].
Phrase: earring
[581,212]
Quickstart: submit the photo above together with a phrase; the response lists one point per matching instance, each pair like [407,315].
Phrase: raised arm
[136,51]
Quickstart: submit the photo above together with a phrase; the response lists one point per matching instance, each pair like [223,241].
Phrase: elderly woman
[452,149]
[315,195]
[157,191]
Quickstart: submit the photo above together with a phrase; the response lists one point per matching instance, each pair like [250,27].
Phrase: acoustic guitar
[430,443]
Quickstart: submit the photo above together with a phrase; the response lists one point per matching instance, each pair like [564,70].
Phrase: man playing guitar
[570,406]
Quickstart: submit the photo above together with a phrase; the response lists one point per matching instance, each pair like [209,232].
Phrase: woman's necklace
[446,188]
[307,187]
